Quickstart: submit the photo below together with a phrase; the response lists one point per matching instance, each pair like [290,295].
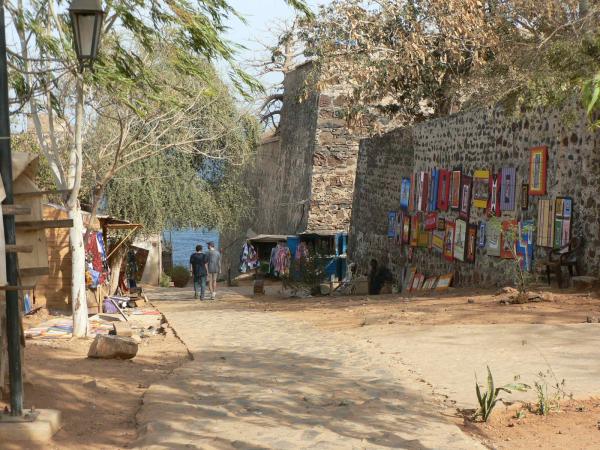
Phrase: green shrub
[180,276]
[165,280]
[488,399]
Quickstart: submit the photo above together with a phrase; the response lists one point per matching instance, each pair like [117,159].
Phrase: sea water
[184,242]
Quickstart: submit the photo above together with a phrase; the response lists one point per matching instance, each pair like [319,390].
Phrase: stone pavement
[259,381]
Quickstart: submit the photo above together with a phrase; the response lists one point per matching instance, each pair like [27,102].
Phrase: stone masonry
[481,139]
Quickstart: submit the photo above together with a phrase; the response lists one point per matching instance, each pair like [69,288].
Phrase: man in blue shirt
[198,269]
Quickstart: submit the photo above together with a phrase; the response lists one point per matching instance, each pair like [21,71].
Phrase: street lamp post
[86,20]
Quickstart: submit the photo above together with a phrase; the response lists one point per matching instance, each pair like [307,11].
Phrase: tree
[44,77]
[427,58]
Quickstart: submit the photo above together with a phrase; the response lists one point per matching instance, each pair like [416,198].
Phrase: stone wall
[482,139]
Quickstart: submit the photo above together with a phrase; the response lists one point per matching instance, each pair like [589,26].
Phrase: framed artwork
[405,229]
[538,170]
[429,283]
[441,224]
[525,244]
[412,195]
[391,224]
[545,223]
[563,211]
[443,189]
[433,190]
[466,183]
[471,249]
[431,221]
[424,238]
[508,239]
[494,196]
[398,228]
[460,236]
[508,187]
[405,193]
[481,234]
[455,189]
[418,281]
[410,253]
[437,241]
[443,282]
[414,230]
[408,278]
[493,237]
[524,197]
[449,241]
[423,191]
[481,188]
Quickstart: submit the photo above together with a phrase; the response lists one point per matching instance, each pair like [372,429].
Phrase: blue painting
[405,193]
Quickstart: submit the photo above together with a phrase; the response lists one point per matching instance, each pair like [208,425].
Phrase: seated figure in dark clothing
[378,275]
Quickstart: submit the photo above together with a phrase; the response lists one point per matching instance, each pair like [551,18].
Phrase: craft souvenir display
[524,197]
[460,236]
[431,221]
[405,193]
[443,189]
[406,229]
[563,212]
[455,189]
[437,241]
[508,187]
[508,239]
[481,234]
[471,246]
[444,282]
[414,230]
[465,197]
[493,237]
[391,224]
[545,223]
[538,167]
[449,241]
[481,188]
[494,197]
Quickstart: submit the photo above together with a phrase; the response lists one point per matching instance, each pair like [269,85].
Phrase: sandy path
[262,381]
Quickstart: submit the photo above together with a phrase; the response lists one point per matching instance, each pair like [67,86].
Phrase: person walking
[198,269]
[214,269]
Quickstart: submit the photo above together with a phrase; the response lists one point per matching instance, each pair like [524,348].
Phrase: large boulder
[113,347]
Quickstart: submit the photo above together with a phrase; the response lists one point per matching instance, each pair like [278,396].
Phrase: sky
[260,16]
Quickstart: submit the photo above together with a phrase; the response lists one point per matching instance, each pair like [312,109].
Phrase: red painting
[413,193]
[405,229]
[449,241]
[455,190]
[471,245]
[443,190]
[538,168]
[466,184]
[423,191]
[414,230]
[431,221]
[508,239]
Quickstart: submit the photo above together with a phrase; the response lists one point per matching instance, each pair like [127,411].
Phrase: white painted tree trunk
[78,294]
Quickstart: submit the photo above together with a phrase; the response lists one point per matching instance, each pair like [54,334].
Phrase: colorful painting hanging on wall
[423,191]
[524,197]
[545,223]
[563,212]
[449,241]
[494,196]
[508,187]
[443,189]
[465,197]
[525,244]
[444,282]
[391,232]
[398,228]
[481,234]
[493,232]
[441,224]
[414,230]
[405,229]
[405,193]
[471,249]
[437,242]
[431,221]
[538,170]
[508,239]
[433,190]
[460,236]
[455,190]
[481,188]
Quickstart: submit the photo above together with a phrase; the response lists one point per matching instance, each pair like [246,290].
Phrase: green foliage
[165,280]
[591,98]
[307,273]
[180,276]
[487,400]
[521,277]
[549,393]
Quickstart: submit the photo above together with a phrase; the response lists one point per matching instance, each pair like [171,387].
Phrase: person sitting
[378,275]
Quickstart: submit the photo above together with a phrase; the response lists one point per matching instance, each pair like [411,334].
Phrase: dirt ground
[98,399]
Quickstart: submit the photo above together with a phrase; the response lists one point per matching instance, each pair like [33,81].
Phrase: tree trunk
[78,294]
[116,262]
